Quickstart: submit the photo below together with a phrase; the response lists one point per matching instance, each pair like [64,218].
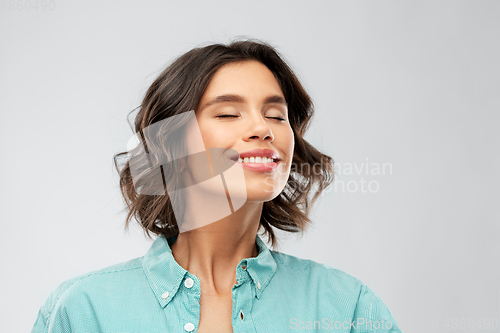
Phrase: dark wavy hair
[179,88]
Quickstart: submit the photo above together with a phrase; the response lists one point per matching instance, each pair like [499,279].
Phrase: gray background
[413,84]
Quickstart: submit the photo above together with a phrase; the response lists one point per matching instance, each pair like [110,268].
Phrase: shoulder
[113,272]
[334,287]
[315,271]
[85,286]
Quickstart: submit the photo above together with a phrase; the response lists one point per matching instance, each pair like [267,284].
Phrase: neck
[213,251]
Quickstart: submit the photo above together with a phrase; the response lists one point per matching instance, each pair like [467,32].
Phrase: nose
[258,129]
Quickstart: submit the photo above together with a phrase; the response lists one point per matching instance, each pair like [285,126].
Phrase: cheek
[207,133]
[193,138]
[215,136]
[289,142]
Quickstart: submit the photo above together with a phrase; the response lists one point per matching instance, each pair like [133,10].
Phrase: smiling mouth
[257,159]
[253,159]
[254,156]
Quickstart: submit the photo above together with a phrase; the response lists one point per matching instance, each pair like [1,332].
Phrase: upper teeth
[255,159]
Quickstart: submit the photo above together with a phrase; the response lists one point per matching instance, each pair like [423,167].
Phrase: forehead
[249,79]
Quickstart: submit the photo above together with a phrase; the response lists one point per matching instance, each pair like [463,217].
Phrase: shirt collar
[165,275]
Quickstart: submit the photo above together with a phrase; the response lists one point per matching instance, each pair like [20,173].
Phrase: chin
[262,193]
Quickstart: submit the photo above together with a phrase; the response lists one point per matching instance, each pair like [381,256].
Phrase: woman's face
[243,108]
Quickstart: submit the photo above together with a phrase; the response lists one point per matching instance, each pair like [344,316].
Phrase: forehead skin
[248,79]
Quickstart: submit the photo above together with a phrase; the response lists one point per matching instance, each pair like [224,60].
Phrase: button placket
[242,305]
[242,274]
[190,288]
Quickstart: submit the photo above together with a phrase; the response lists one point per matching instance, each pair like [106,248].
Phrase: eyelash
[233,116]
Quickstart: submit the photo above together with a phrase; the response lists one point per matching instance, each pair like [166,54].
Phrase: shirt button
[165,295]
[189,283]
[258,285]
[189,327]
[244,267]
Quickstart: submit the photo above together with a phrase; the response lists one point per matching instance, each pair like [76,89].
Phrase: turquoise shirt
[275,292]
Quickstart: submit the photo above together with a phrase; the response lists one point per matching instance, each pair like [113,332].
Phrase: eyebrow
[239,99]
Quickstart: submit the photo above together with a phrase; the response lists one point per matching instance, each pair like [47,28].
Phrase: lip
[262,167]
[262,153]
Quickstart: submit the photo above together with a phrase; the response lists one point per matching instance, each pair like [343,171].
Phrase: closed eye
[233,116]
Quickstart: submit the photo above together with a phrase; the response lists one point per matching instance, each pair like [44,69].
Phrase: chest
[215,313]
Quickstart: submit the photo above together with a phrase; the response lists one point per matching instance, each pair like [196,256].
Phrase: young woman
[219,154]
